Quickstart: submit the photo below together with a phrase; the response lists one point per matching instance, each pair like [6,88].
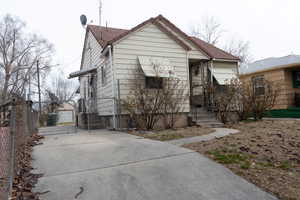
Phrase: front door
[198,76]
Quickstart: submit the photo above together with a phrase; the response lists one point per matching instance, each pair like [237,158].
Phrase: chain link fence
[18,121]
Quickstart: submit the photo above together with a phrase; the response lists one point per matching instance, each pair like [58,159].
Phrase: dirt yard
[172,134]
[266,153]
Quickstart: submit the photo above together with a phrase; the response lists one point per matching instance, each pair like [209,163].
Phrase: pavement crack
[79,193]
[119,164]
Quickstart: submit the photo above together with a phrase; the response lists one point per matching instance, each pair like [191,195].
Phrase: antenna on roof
[106,25]
[100,11]
[83,20]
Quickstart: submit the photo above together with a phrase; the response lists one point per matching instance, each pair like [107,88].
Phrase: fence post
[12,143]
[29,117]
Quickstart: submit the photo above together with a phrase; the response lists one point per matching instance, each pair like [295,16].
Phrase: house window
[296,79]
[103,76]
[259,85]
[93,85]
[154,82]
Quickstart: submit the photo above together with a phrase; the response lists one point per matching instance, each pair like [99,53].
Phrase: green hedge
[284,113]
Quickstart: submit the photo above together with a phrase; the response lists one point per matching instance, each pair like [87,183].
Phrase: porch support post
[212,80]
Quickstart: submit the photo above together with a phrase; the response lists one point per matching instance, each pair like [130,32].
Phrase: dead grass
[266,153]
[172,134]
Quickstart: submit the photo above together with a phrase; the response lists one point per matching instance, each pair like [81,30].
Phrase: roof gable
[108,35]
[158,25]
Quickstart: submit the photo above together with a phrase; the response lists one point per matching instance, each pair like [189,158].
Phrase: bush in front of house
[146,106]
[245,99]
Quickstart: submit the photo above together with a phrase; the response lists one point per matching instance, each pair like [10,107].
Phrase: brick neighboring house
[111,58]
[285,71]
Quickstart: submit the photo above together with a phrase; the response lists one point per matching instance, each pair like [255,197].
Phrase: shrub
[147,106]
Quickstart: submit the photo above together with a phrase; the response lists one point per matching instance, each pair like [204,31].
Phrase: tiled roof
[107,35]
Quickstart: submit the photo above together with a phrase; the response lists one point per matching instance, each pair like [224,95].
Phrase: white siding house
[90,58]
[112,56]
[152,42]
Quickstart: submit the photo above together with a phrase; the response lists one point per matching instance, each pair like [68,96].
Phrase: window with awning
[157,67]
[223,75]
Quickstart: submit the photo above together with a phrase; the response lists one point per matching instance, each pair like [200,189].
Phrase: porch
[207,78]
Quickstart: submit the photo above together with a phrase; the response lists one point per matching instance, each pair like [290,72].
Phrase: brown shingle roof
[105,34]
[212,50]
[108,35]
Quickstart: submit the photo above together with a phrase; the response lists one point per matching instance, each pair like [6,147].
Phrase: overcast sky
[271,26]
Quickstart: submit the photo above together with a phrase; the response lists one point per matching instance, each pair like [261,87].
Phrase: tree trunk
[5,88]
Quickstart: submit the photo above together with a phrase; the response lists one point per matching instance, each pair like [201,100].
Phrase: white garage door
[65,116]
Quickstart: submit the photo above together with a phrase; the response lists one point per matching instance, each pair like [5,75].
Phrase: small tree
[174,97]
[261,103]
[60,89]
[147,106]
[143,105]
[226,101]
[243,98]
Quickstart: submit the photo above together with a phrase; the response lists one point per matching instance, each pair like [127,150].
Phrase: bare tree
[143,105]
[146,106]
[61,90]
[252,98]
[210,30]
[19,52]
[238,48]
[174,97]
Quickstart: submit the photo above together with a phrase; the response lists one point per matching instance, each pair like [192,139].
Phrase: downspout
[238,70]
[212,80]
[113,86]
[188,79]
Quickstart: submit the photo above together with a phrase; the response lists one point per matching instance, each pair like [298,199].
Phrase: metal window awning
[82,72]
[224,78]
[157,67]
[224,74]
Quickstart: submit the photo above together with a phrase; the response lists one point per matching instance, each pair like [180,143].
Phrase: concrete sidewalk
[117,166]
[219,132]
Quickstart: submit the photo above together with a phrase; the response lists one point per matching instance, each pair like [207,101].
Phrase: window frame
[296,79]
[153,82]
[103,76]
[258,85]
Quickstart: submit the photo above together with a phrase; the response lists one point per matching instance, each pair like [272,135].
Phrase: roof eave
[280,67]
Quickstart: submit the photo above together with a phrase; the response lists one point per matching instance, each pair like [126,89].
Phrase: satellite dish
[83,20]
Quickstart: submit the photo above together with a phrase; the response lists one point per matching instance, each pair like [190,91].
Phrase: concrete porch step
[211,124]
[207,120]
[200,117]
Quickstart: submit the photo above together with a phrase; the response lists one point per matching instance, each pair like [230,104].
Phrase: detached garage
[66,114]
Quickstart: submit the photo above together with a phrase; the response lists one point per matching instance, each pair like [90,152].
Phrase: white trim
[225,60]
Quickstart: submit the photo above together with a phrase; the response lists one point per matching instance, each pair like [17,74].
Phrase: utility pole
[100,12]
[39,87]
[29,89]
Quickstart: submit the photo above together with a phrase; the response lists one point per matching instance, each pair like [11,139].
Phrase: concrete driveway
[104,165]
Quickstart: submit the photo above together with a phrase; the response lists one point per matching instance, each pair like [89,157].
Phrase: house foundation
[94,121]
